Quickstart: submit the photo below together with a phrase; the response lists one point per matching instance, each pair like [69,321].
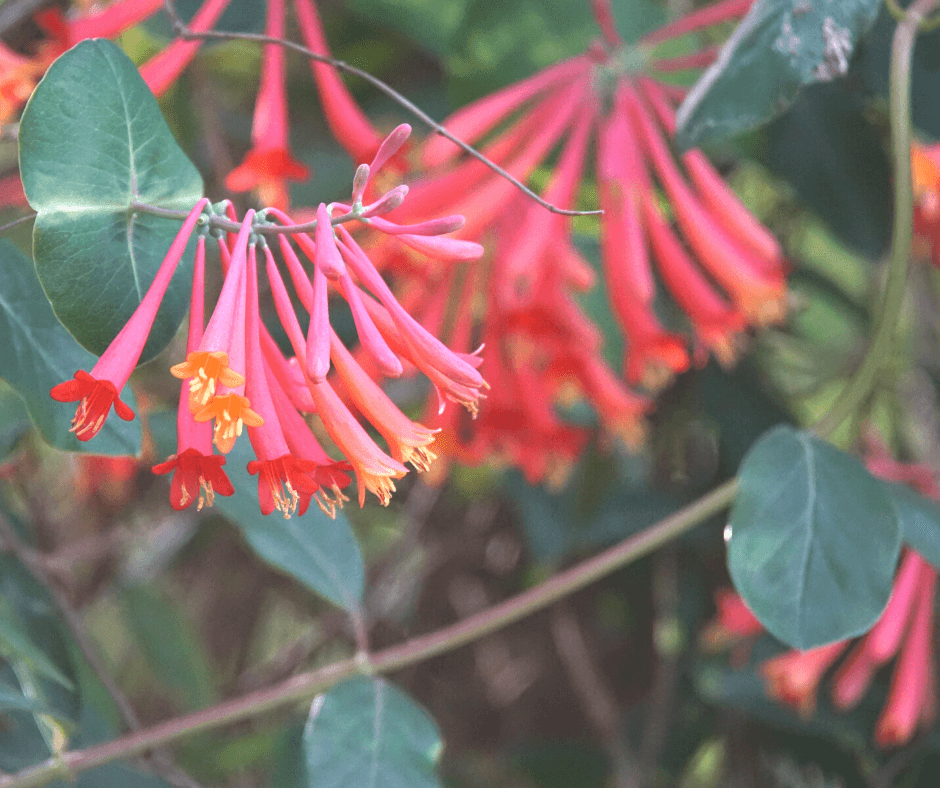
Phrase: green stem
[305,686]
[859,388]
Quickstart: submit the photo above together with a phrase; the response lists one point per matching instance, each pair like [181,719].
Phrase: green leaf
[814,540]
[16,645]
[834,157]
[92,142]
[172,650]
[920,520]
[367,733]
[36,353]
[499,42]
[871,68]
[12,697]
[780,47]
[321,553]
[429,23]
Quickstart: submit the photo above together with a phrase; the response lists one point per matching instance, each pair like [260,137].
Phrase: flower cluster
[236,378]
[905,633]
[667,218]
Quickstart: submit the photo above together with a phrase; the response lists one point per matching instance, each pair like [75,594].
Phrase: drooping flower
[164,68]
[207,368]
[197,472]
[671,230]
[269,164]
[98,390]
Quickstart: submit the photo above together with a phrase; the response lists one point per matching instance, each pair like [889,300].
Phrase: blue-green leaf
[321,553]
[92,143]
[36,353]
[814,540]
[780,47]
[920,520]
[365,732]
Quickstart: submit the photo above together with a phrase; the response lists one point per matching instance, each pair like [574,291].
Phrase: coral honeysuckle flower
[283,480]
[197,472]
[375,470]
[349,124]
[793,678]
[269,165]
[98,390]
[164,68]
[208,367]
[671,228]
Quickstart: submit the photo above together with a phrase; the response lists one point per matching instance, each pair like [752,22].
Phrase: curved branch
[307,685]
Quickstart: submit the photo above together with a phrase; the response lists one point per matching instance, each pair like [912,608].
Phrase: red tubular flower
[194,466]
[283,481]
[164,68]
[208,366]
[269,165]
[350,126]
[716,261]
[97,391]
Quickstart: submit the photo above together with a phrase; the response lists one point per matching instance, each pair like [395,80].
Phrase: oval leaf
[779,47]
[367,733]
[92,143]
[321,553]
[36,353]
[920,520]
[814,540]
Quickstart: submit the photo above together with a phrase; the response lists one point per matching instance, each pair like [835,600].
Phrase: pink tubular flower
[269,164]
[98,390]
[194,466]
[164,68]
[351,128]
[283,481]
[671,229]
[904,633]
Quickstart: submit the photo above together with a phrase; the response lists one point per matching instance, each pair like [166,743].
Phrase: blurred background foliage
[188,614]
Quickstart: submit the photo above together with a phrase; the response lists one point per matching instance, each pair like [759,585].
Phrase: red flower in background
[666,218]
[925,176]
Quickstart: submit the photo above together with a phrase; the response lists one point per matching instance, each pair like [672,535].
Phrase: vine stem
[180,28]
[306,685]
[863,381]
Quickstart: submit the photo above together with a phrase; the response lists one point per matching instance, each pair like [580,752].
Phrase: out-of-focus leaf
[431,24]
[836,160]
[871,68]
[920,520]
[367,733]
[780,47]
[814,540]
[500,43]
[321,553]
[12,697]
[600,504]
[36,353]
[92,143]
[14,418]
[169,644]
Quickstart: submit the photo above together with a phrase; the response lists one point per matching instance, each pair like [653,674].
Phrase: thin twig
[181,30]
[28,218]
[413,651]
[597,700]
